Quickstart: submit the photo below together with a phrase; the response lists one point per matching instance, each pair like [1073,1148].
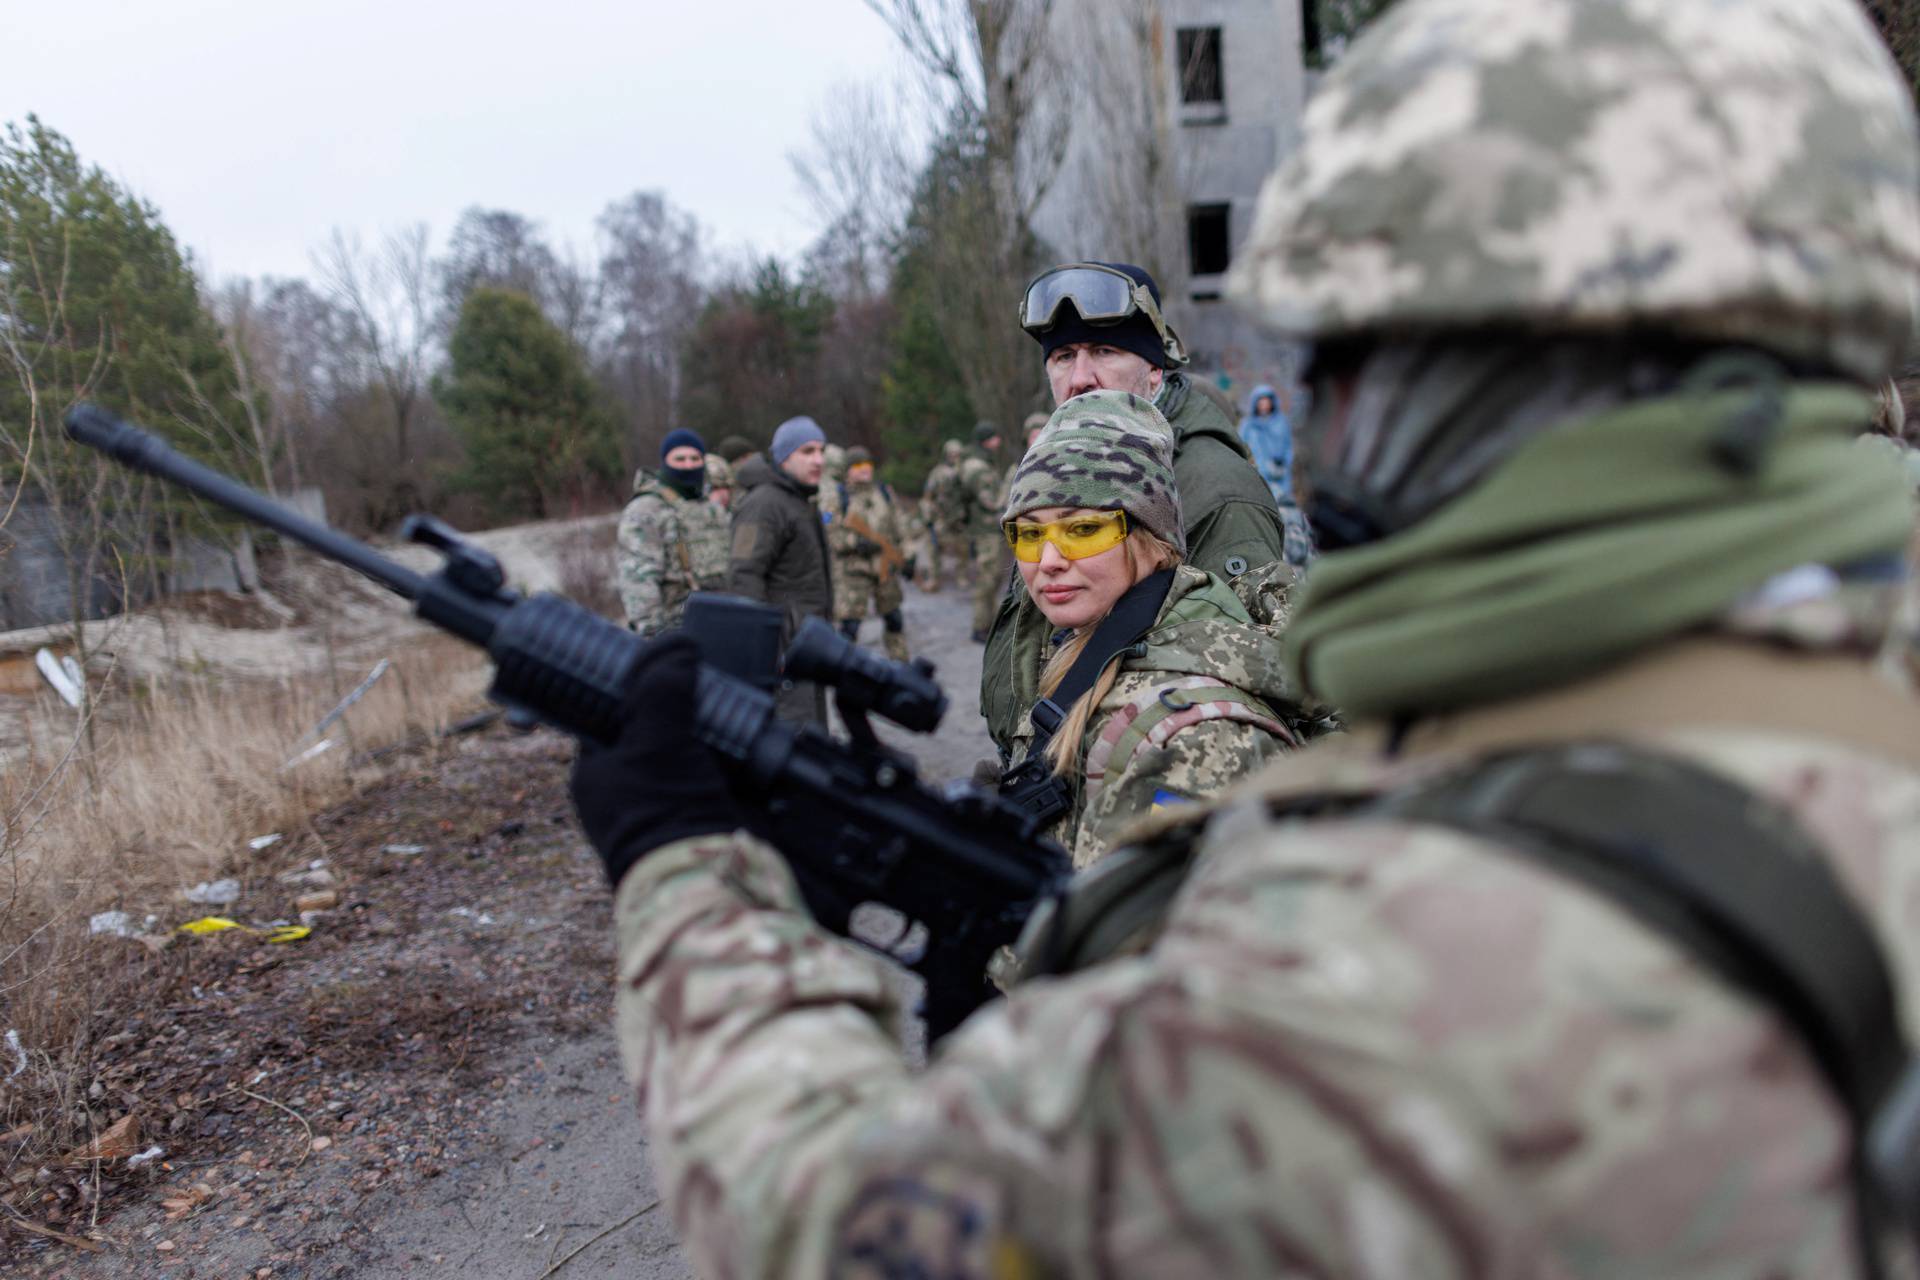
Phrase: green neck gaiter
[1591,541]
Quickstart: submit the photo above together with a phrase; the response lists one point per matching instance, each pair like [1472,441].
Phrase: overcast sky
[257,126]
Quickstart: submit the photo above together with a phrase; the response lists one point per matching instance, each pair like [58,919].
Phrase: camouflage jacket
[872,504]
[1205,704]
[1232,526]
[940,499]
[668,547]
[1355,1049]
[981,492]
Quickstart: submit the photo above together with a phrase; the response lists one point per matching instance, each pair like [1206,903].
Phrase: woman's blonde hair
[1141,549]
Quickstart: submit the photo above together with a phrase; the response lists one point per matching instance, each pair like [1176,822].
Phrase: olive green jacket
[1232,526]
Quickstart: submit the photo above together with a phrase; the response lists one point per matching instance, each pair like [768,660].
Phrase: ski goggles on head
[1076,537]
[1100,295]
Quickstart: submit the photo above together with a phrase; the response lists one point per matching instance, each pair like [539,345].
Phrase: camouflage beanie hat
[1103,450]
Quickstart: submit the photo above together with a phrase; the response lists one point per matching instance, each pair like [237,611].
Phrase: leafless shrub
[187,773]
[587,569]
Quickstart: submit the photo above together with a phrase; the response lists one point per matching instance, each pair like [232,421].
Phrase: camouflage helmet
[719,474]
[952,450]
[1723,173]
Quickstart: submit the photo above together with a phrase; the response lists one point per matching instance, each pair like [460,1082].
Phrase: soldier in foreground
[670,542]
[1100,329]
[1604,580]
[868,563]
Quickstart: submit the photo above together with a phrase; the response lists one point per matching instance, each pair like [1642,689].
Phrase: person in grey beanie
[780,546]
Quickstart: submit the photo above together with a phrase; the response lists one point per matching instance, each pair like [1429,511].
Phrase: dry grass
[175,781]
[588,570]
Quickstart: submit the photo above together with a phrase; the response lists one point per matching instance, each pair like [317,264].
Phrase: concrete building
[1179,111]
[37,589]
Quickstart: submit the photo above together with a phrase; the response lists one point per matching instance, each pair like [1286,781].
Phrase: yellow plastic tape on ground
[210,924]
[215,924]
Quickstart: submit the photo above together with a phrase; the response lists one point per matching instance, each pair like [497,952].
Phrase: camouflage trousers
[992,567]
[857,593]
[949,549]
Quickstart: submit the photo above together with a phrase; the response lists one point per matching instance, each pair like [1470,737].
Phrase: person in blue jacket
[1269,436]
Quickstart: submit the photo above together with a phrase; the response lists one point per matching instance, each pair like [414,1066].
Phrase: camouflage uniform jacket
[1204,705]
[941,499]
[1232,526]
[1355,1049]
[980,494]
[669,547]
[872,504]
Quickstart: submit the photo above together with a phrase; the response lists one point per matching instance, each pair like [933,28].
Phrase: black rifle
[851,817]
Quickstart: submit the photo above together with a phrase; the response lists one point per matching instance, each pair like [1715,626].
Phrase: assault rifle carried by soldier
[856,824]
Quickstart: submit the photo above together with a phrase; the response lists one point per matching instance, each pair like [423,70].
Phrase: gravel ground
[427,1086]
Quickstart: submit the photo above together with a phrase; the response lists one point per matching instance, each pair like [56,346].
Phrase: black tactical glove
[912,569]
[865,546]
[657,783]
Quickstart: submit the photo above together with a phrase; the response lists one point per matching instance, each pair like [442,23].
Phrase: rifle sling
[1737,884]
[1729,875]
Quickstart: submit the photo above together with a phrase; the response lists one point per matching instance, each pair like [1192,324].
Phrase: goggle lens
[1077,537]
[1099,295]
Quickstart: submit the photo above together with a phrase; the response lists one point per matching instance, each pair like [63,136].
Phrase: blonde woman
[1179,693]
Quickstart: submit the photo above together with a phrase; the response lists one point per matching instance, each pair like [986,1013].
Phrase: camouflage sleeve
[1141,763]
[841,540]
[784,1122]
[638,546]
[1119,1122]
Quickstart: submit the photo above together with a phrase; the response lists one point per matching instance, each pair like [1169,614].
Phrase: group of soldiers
[1590,946]
[675,537]
[960,512]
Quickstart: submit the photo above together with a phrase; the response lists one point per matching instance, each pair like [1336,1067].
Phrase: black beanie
[679,437]
[1136,333]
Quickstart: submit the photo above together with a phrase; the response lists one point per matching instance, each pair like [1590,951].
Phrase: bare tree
[992,67]
[505,250]
[651,294]
[992,61]
[387,291]
[1125,168]
[863,154]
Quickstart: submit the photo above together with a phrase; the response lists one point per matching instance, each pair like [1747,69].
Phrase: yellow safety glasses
[1077,537]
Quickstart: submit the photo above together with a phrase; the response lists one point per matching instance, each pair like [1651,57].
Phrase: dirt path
[443,1038]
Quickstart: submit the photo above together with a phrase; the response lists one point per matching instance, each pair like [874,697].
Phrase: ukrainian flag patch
[1164,799]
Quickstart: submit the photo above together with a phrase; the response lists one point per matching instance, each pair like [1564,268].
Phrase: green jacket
[1232,526]
[780,545]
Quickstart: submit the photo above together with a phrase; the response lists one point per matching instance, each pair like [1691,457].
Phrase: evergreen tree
[926,399]
[97,302]
[538,440]
[753,358]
